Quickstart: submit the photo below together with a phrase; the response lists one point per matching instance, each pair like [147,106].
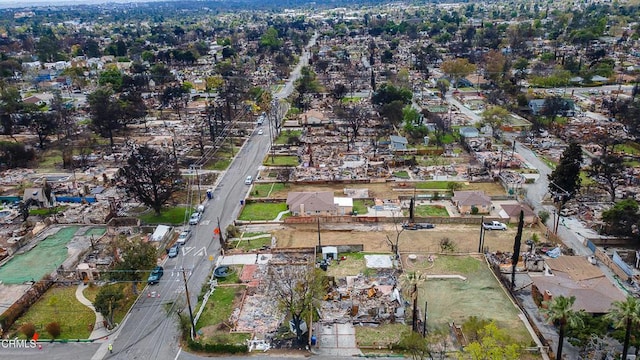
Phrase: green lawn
[253,244]
[47,211]
[59,304]
[219,306]
[264,190]
[382,335]
[361,206]
[439,185]
[262,211]
[50,159]
[401,174]
[284,136]
[233,278]
[430,210]
[629,148]
[585,179]
[173,216]
[280,160]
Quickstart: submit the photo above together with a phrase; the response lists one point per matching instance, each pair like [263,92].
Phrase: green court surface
[39,261]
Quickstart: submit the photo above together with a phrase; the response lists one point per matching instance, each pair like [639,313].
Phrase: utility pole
[424,323]
[186,289]
[480,241]
[319,243]
[220,229]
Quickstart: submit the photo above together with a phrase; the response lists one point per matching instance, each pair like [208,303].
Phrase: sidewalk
[99,331]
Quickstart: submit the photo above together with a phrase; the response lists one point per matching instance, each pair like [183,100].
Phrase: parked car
[260,132]
[417,226]
[248,180]
[174,251]
[155,275]
[184,236]
[195,218]
[494,225]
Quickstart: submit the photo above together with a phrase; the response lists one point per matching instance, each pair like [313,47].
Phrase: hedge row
[23,304]
[218,348]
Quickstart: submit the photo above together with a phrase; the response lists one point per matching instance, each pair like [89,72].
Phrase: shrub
[217,348]
[53,328]
[543,215]
[474,210]
[28,330]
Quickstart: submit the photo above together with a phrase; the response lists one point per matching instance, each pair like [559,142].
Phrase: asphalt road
[150,331]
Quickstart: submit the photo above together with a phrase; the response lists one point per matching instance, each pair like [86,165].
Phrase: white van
[248,180]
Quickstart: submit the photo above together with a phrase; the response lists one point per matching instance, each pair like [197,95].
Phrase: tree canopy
[622,218]
[151,175]
[564,181]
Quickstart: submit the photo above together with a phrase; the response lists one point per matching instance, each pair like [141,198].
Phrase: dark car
[155,275]
[417,226]
[174,251]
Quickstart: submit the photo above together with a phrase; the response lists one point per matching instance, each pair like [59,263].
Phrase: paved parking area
[337,340]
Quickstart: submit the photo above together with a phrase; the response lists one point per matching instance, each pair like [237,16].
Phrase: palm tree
[559,309]
[625,314]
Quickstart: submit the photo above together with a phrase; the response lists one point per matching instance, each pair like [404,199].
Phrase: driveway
[336,340]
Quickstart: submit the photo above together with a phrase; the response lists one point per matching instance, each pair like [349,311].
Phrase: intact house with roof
[465,201]
[575,276]
[568,107]
[320,203]
[512,212]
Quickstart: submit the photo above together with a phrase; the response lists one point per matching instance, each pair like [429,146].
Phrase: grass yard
[262,211]
[47,211]
[361,206]
[456,300]
[50,160]
[173,216]
[59,304]
[234,276]
[284,136]
[280,160]
[437,185]
[354,264]
[382,335]
[253,244]
[401,174]
[629,148]
[265,190]
[212,325]
[431,210]
[91,291]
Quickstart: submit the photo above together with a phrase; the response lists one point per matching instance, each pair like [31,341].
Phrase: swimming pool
[39,261]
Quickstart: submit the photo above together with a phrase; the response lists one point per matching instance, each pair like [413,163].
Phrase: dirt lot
[465,237]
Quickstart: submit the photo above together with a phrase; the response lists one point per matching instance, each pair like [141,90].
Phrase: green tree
[106,113]
[559,312]
[10,104]
[414,344]
[516,250]
[457,69]
[270,39]
[492,344]
[136,257]
[107,301]
[564,181]
[388,93]
[495,117]
[151,175]
[622,218]
[625,314]
[111,76]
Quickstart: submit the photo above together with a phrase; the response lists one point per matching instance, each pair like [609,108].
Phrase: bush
[543,215]
[217,348]
[53,328]
[28,330]
[474,210]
